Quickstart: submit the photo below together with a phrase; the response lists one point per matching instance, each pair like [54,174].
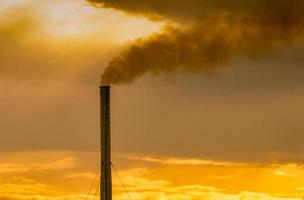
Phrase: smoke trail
[212,41]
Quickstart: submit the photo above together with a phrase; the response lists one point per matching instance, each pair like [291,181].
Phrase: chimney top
[104,86]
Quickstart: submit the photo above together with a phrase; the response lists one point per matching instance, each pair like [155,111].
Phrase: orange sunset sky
[207,101]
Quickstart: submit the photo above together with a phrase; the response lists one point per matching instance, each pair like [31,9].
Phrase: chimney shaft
[105,141]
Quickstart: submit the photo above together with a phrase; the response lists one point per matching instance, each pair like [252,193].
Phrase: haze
[186,132]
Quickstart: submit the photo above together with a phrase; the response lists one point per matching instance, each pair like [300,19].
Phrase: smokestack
[105,141]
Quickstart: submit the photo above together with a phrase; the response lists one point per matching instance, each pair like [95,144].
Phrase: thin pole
[105,141]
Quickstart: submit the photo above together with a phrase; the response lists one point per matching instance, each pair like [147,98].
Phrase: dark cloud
[222,31]
[191,9]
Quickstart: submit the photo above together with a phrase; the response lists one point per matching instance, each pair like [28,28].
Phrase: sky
[206,98]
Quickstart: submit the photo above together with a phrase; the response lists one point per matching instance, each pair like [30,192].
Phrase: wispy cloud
[61,164]
[171,191]
[42,197]
[192,161]
[83,175]
[69,180]
[135,181]
[283,173]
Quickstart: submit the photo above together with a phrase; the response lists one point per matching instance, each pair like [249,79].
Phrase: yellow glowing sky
[52,53]
[67,175]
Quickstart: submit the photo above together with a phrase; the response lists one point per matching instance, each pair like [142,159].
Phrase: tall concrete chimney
[105,141]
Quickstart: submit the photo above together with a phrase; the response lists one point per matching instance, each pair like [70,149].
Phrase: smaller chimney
[105,144]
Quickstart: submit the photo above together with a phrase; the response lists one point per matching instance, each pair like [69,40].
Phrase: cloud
[193,162]
[83,175]
[283,173]
[9,168]
[65,163]
[135,181]
[192,9]
[62,164]
[220,32]
[26,188]
[172,182]
[42,197]
[189,192]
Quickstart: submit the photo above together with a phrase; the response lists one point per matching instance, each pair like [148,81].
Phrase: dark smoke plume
[224,31]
